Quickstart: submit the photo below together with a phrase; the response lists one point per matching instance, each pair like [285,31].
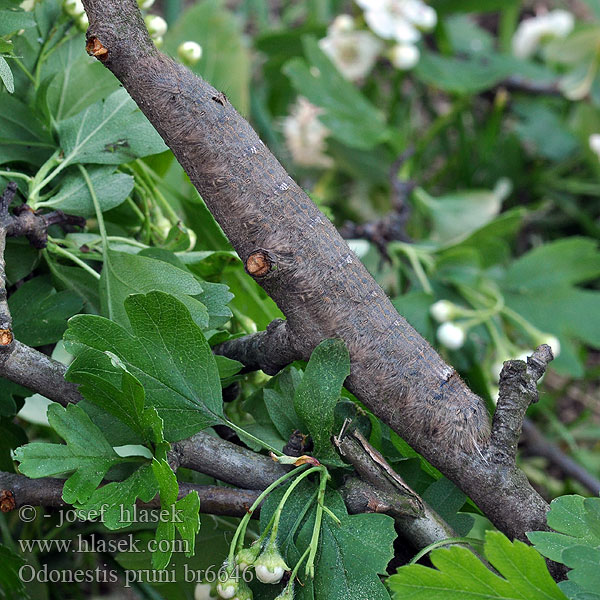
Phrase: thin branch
[17,491]
[537,445]
[225,461]
[518,389]
[269,350]
[381,489]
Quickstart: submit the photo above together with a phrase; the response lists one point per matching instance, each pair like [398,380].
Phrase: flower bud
[82,22]
[74,8]
[157,26]
[443,310]
[145,4]
[247,557]
[451,335]
[189,53]
[342,24]
[270,566]
[594,142]
[27,5]
[404,56]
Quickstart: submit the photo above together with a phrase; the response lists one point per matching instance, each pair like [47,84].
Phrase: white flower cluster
[402,22]
[352,51]
[450,334]
[305,135]
[532,32]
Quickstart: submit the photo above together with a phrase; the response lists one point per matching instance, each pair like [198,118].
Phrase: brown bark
[322,288]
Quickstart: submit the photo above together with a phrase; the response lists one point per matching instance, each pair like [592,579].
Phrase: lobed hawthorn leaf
[459,573]
[183,515]
[575,543]
[111,131]
[319,391]
[116,500]
[86,453]
[165,350]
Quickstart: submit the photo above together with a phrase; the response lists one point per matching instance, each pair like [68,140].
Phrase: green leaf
[13,20]
[166,351]
[40,313]
[351,556]
[460,574]
[84,284]
[569,312]
[86,452]
[447,499]
[214,296]
[125,274]
[227,69]
[112,131]
[21,258]
[22,135]
[319,391]
[351,118]
[577,521]
[455,216]
[74,196]
[11,585]
[116,500]
[78,80]
[279,402]
[6,75]
[182,515]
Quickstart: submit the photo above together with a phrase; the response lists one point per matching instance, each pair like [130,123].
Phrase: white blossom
[442,311]
[594,142]
[305,135]
[203,591]
[145,4]
[398,20]
[451,335]
[533,31]
[189,52]
[157,26]
[342,24]
[353,52]
[27,5]
[404,56]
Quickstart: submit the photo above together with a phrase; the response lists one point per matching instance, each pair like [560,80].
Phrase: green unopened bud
[270,566]
[189,53]
[74,8]
[247,557]
[157,26]
[82,22]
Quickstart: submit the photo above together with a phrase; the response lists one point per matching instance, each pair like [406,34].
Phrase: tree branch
[17,491]
[225,461]
[321,287]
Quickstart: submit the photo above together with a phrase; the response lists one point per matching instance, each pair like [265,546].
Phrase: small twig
[391,227]
[537,445]
[381,489]
[18,490]
[269,350]
[518,390]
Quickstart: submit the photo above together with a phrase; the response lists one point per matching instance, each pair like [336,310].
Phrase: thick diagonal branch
[298,257]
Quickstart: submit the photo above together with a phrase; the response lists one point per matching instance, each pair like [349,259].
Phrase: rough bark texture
[17,491]
[320,285]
